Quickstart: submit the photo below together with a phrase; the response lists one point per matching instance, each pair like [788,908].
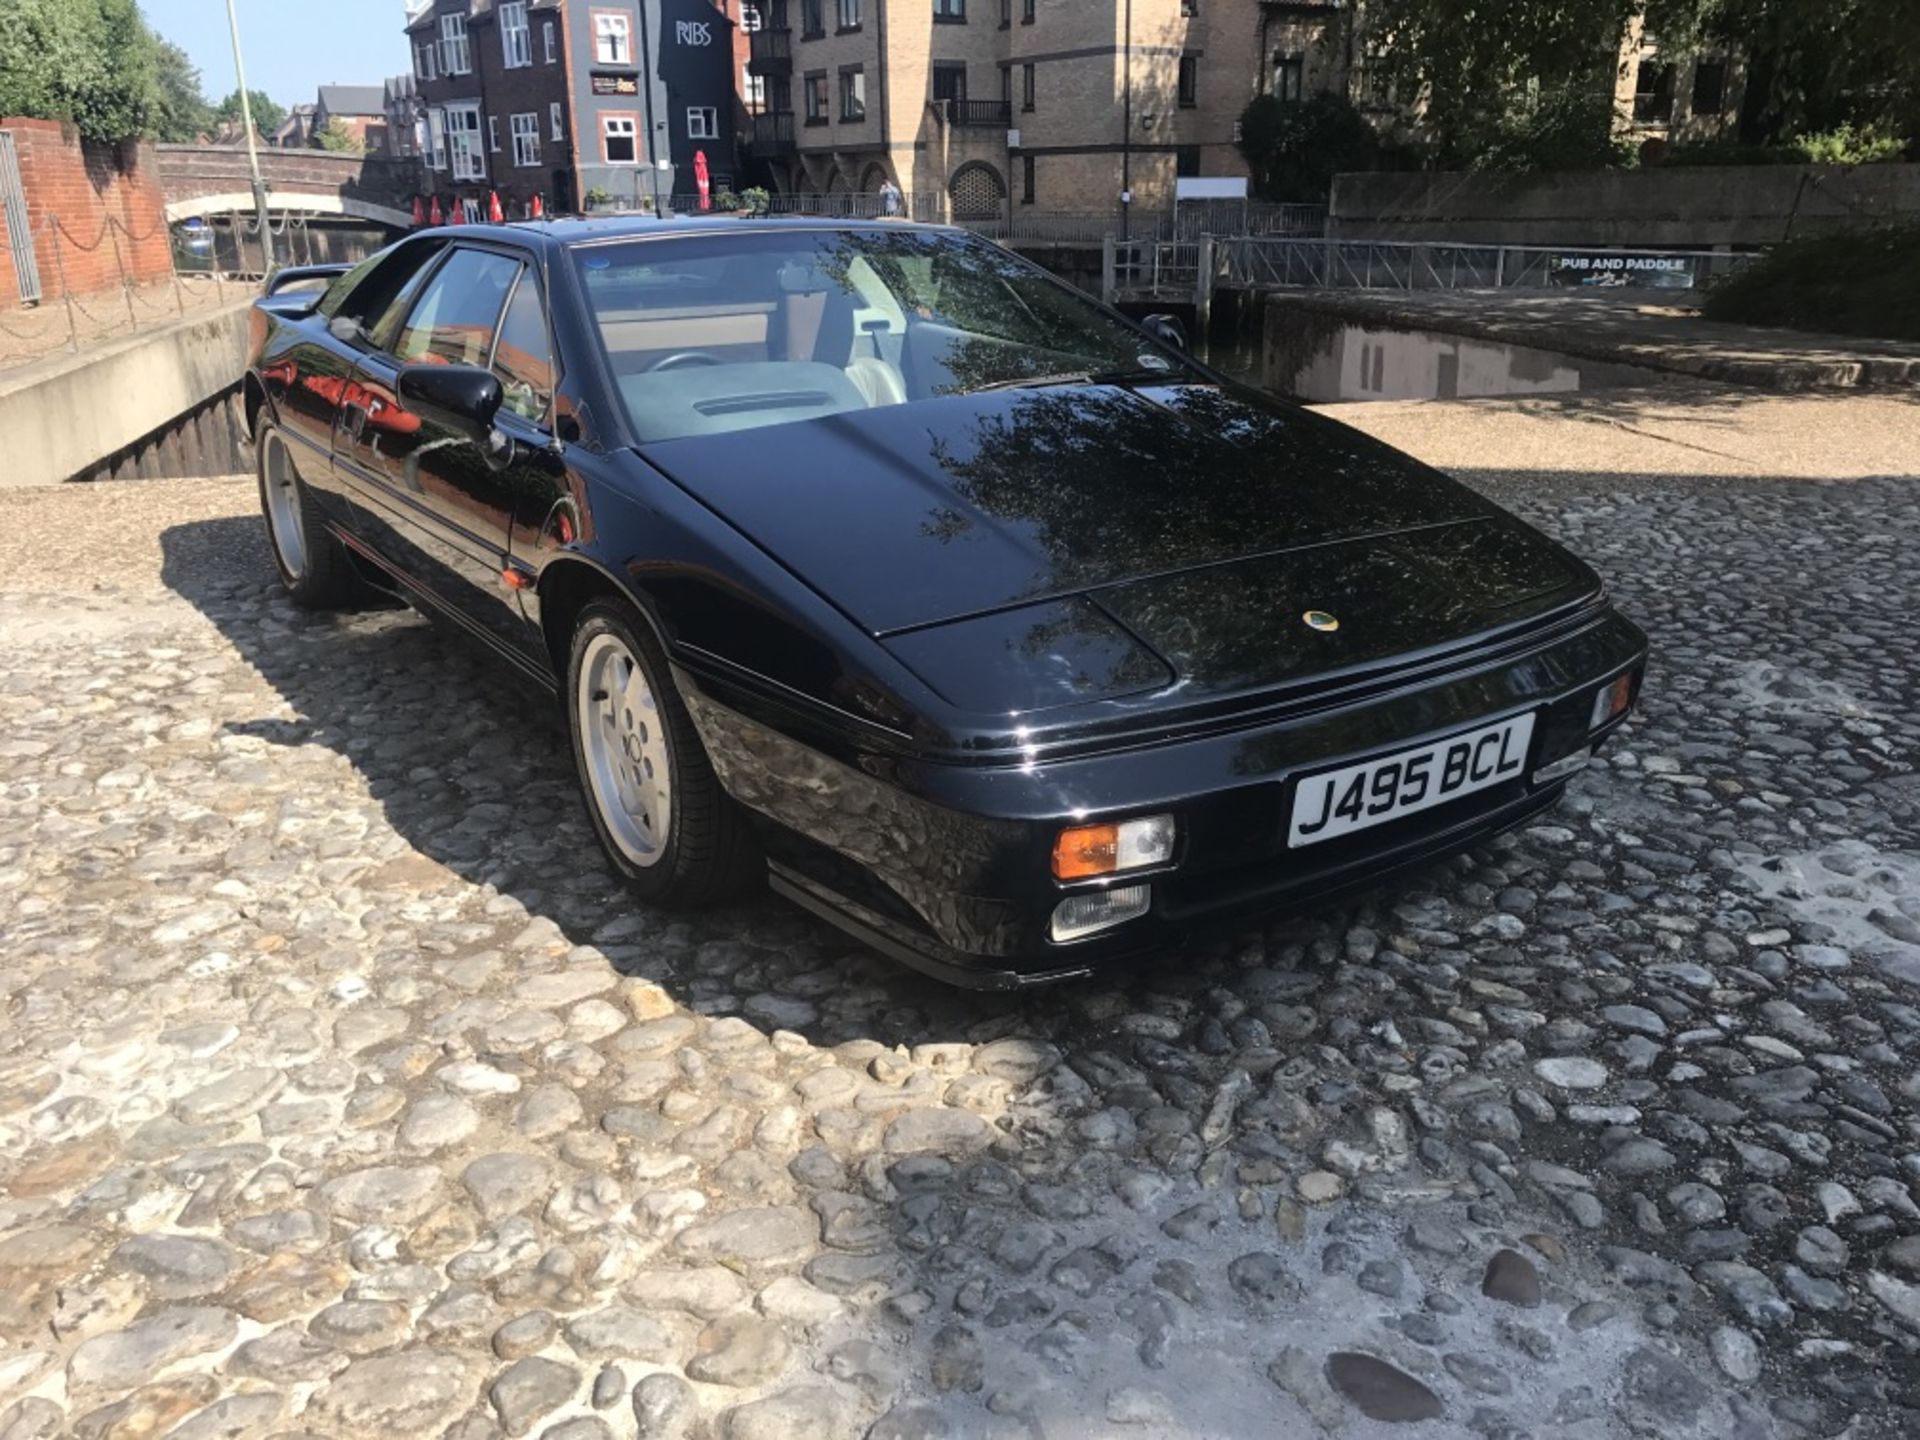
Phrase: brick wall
[97,211]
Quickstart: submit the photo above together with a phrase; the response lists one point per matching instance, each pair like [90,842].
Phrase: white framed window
[620,139]
[463,142]
[553,42]
[526,139]
[436,138]
[470,211]
[703,123]
[516,41]
[455,57]
[557,125]
[493,133]
[612,39]
[753,91]
[750,18]
[426,61]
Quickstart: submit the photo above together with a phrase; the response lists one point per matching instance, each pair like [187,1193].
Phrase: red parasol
[538,208]
[435,215]
[701,180]
[419,213]
[494,212]
[457,212]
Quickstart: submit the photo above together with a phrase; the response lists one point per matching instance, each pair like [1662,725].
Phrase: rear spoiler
[295,274]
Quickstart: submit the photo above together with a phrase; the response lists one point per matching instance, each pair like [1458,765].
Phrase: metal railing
[1189,221]
[979,114]
[1250,262]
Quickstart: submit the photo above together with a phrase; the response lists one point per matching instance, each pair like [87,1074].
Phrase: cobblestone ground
[341,1094]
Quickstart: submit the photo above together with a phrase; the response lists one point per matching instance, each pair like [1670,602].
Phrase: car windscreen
[734,331]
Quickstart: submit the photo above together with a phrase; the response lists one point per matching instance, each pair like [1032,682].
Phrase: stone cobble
[343,1093]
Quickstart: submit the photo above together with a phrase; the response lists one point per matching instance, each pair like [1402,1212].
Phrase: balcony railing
[770,52]
[979,114]
[771,134]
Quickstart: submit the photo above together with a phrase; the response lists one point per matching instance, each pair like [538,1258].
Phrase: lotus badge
[1321,620]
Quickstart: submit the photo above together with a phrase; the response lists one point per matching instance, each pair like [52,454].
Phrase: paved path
[341,1094]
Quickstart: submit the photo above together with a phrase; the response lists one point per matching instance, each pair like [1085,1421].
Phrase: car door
[440,507]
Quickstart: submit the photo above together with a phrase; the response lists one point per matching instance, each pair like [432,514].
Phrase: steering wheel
[685,357]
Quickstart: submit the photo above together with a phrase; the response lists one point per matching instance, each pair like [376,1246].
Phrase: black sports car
[872,559]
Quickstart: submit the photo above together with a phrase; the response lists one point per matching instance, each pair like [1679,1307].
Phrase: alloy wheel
[624,742]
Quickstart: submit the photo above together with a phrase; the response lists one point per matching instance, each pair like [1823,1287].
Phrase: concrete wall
[1679,207]
[97,212]
[63,417]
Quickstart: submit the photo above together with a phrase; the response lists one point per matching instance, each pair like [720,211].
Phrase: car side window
[366,292]
[523,355]
[458,313]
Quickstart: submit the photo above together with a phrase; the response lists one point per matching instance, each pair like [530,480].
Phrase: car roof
[568,230]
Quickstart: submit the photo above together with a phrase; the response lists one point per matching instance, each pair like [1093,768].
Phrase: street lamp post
[253,149]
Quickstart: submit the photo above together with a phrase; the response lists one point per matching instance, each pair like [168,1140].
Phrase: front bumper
[946,866]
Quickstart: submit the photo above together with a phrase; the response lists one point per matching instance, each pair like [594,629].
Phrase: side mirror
[460,398]
[1166,329]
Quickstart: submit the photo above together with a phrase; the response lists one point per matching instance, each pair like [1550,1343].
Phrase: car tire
[313,565]
[668,828]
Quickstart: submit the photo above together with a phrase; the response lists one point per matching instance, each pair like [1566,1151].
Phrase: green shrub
[756,198]
[1843,145]
[1863,282]
[1295,147]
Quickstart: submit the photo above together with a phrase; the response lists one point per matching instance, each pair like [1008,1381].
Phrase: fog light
[1080,915]
[1612,701]
[1089,850]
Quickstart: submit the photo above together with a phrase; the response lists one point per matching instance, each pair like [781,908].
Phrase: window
[1189,8]
[436,138]
[1026,12]
[849,14]
[1189,81]
[523,355]
[703,122]
[470,212]
[493,133]
[1026,179]
[516,47]
[1006,13]
[753,92]
[1186,160]
[553,42]
[612,39]
[1709,87]
[949,12]
[811,24]
[425,61]
[1653,92]
[526,139]
[950,82]
[557,126]
[459,311]
[455,57]
[1289,76]
[853,93]
[620,139]
[1026,86]
[463,142]
[750,18]
[816,93]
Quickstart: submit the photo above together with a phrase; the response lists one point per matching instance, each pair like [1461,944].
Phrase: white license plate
[1373,792]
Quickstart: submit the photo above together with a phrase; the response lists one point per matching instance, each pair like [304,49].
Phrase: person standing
[889,197]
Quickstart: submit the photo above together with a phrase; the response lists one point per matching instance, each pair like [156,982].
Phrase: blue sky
[292,46]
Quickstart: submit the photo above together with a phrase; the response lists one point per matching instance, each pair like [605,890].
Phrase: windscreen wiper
[1129,375]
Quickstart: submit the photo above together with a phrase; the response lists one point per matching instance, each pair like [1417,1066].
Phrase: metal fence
[1250,262]
[214,262]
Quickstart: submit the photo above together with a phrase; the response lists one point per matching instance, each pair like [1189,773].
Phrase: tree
[267,116]
[339,138]
[179,111]
[1488,71]
[90,63]
[1811,67]
[1294,148]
